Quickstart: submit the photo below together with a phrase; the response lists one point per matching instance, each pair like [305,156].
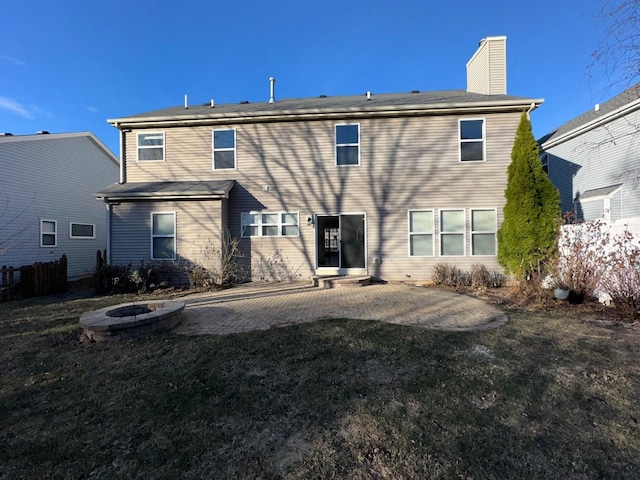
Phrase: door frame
[339,270]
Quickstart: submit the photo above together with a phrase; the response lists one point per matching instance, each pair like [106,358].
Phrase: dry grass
[546,396]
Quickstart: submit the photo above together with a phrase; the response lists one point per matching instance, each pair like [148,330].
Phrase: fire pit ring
[128,320]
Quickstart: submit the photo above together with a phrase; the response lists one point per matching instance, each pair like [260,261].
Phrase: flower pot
[561,293]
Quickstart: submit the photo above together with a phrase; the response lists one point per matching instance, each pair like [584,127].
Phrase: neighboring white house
[47,202]
[594,160]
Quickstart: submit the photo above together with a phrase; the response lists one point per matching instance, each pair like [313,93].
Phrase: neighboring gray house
[594,160]
[387,185]
[47,199]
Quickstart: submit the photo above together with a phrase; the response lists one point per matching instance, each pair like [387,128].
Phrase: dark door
[352,241]
[340,241]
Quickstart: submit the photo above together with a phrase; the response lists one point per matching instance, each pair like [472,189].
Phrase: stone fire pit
[129,320]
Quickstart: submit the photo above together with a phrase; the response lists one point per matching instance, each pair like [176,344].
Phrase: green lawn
[542,397]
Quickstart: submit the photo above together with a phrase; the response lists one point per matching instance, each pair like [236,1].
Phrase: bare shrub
[213,265]
[622,281]
[447,275]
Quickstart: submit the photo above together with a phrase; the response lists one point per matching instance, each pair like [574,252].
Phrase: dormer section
[487,69]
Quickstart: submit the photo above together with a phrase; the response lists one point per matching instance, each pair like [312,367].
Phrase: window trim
[174,236]
[544,160]
[55,233]
[337,145]
[260,224]
[81,237]
[226,149]
[483,140]
[472,232]
[442,232]
[432,233]
[138,147]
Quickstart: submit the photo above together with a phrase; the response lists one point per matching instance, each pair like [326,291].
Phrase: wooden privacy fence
[36,280]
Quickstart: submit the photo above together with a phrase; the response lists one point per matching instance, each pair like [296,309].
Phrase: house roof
[598,192]
[45,136]
[621,104]
[167,190]
[435,102]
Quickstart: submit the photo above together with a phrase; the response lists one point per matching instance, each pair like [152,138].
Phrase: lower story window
[452,233]
[48,233]
[82,230]
[163,236]
[270,224]
[483,232]
[421,233]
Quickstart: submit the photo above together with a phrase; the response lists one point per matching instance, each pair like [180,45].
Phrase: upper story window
[270,224]
[483,232]
[544,159]
[163,236]
[224,149]
[48,233]
[82,230]
[452,233]
[348,144]
[472,140]
[151,147]
[421,233]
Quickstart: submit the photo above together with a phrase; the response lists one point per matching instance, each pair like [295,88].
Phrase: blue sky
[69,65]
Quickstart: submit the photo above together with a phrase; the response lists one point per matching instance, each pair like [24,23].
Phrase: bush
[121,279]
[622,280]
[447,275]
[214,266]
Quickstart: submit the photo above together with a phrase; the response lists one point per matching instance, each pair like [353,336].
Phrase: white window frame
[544,160]
[144,147]
[442,232]
[471,140]
[226,149]
[174,236]
[82,237]
[411,234]
[484,232]
[55,233]
[337,145]
[260,224]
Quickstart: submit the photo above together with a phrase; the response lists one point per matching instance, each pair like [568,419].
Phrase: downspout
[533,105]
[121,155]
[108,259]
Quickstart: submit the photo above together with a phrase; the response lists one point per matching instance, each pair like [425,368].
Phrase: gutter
[595,123]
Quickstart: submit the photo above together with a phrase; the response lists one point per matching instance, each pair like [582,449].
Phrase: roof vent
[322,96]
[415,91]
[213,104]
[368,95]
[6,134]
[42,132]
[272,93]
[596,107]
[244,102]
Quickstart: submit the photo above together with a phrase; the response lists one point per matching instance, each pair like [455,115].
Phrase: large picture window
[224,149]
[452,233]
[163,236]
[421,233]
[270,224]
[483,232]
[151,147]
[472,140]
[348,144]
[48,233]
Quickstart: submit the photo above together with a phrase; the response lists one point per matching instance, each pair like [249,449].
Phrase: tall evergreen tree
[529,231]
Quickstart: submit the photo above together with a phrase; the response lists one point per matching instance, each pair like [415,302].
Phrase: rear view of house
[47,199]
[387,185]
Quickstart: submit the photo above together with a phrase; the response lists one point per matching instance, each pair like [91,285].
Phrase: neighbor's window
[163,236]
[452,232]
[544,159]
[483,232]
[421,233]
[224,149]
[82,230]
[269,224]
[48,233]
[151,147]
[348,144]
[472,140]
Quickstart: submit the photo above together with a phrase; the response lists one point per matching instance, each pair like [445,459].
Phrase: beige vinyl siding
[487,69]
[406,163]
[198,228]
